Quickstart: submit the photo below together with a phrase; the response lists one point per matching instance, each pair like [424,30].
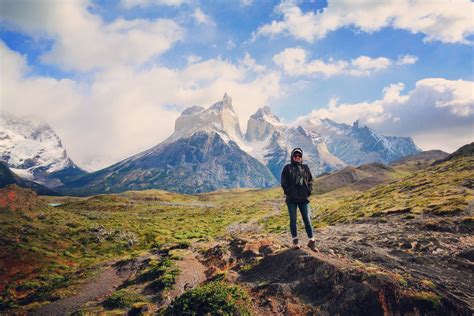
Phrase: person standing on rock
[297,183]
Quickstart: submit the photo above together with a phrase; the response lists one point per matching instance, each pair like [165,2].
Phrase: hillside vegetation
[442,189]
[48,251]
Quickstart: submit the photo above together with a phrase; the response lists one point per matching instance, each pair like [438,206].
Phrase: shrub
[163,273]
[427,299]
[122,299]
[28,285]
[157,269]
[213,298]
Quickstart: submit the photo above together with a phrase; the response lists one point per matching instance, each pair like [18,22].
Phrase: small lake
[54,204]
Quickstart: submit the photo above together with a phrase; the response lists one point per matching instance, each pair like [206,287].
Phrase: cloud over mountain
[437,113]
[115,75]
[124,110]
[294,62]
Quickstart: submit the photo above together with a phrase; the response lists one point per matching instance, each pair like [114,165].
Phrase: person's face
[297,157]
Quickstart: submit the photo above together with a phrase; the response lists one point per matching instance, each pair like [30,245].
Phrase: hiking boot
[312,245]
[296,243]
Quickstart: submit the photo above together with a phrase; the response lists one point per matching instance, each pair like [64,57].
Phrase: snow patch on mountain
[220,118]
[31,148]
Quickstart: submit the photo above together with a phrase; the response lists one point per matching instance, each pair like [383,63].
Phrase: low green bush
[163,273]
[122,299]
[213,298]
[28,285]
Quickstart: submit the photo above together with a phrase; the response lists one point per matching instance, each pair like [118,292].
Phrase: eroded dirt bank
[392,264]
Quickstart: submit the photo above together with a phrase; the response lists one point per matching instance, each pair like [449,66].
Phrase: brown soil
[428,248]
[392,264]
[192,273]
[110,277]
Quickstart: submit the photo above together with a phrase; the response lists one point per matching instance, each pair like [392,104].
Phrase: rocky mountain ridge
[203,154]
[208,151]
[7,177]
[33,151]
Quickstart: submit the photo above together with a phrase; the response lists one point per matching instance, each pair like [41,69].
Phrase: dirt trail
[109,278]
[192,273]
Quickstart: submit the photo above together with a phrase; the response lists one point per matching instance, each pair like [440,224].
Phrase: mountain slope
[418,161]
[356,145]
[32,150]
[358,178]
[465,151]
[203,154]
[207,151]
[327,145]
[7,177]
[272,141]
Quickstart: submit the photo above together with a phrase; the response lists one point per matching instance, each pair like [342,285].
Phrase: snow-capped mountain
[356,145]
[33,151]
[207,151]
[327,145]
[272,141]
[203,154]
[262,124]
[219,118]
[7,177]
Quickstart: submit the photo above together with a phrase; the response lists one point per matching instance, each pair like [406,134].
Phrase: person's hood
[295,151]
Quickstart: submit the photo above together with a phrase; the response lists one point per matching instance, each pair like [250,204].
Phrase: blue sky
[110,72]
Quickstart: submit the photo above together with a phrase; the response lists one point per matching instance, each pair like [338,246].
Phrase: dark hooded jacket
[294,192]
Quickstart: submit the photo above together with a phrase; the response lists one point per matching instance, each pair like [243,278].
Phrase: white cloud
[146,3]
[251,64]
[294,62]
[82,41]
[246,3]
[124,110]
[445,21]
[191,59]
[407,60]
[457,96]
[367,63]
[437,113]
[201,18]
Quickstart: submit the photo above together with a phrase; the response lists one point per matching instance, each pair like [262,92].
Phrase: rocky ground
[430,253]
[391,264]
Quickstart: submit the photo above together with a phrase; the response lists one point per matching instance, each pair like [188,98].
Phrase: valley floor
[396,262]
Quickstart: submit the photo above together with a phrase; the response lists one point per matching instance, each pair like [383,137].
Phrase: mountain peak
[311,120]
[226,103]
[227,99]
[262,124]
[219,117]
[265,113]
[31,148]
[192,110]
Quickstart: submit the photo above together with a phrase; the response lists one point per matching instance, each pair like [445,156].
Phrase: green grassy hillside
[43,247]
[47,249]
[442,189]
